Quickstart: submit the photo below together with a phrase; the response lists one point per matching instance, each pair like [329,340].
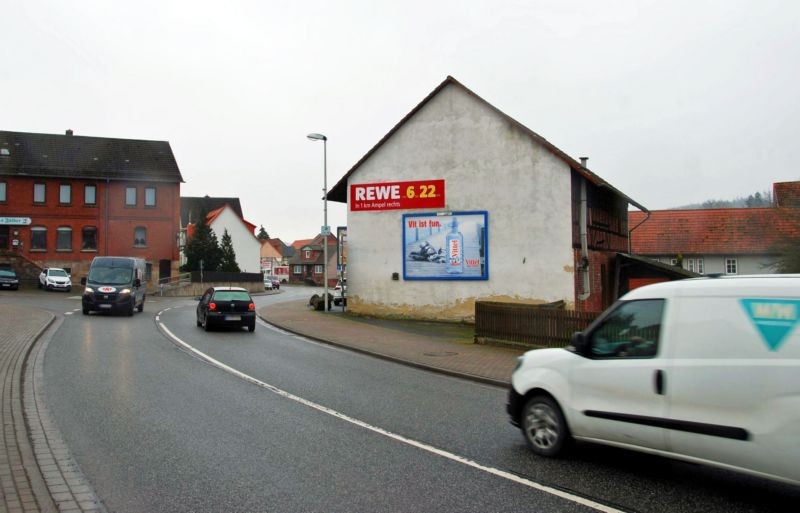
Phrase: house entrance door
[164,269]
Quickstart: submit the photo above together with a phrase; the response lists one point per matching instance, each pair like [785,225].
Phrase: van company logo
[773,318]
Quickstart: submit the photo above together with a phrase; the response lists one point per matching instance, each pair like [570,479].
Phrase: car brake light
[251,307]
[212,306]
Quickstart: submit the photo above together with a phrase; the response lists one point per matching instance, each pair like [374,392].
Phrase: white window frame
[128,198]
[65,194]
[43,231]
[147,192]
[86,189]
[731,265]
[37,187]
[318,269]
[140,242]
[298,269]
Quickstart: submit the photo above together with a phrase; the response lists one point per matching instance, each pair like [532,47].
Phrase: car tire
[69,289]
[206,324]
[39,285]
[544,426]
[85,311]
[251,327]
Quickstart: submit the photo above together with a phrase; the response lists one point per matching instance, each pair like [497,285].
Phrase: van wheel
[544,426]
[140,308]
[85,311]
[133,307]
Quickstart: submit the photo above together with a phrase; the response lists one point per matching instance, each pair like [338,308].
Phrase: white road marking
[399,438]
[68,313]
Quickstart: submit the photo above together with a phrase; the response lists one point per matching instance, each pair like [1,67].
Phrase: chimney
[584,160]
[69,131]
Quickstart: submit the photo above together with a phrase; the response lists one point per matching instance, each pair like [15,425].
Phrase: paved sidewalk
[37,471]
[441,347]
[23,486]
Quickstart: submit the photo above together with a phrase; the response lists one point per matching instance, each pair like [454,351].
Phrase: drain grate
[441,353]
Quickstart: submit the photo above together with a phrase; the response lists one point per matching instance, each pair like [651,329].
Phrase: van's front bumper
[99,302]
[514,406]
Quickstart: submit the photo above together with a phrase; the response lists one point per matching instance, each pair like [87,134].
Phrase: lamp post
[325,229]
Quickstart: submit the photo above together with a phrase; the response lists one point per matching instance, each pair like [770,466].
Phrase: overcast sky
[674,102]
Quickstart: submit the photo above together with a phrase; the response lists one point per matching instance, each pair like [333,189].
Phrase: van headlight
[125,291]
[88,290]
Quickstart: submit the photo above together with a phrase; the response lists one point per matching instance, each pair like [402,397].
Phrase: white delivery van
[705,370]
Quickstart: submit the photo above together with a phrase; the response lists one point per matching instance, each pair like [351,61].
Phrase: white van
[705,370]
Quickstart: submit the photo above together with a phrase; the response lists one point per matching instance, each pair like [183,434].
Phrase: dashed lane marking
[394,436]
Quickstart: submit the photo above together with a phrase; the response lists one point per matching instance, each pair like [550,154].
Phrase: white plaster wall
[487,164]
[245,244]
[715,264]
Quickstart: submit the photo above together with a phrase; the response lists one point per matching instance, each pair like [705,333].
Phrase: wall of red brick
[115,224]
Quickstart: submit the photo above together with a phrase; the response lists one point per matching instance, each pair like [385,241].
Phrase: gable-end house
[65,199]
[553,227]
[720,241]
[245,244]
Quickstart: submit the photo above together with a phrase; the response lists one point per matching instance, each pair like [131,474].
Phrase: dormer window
[308,253]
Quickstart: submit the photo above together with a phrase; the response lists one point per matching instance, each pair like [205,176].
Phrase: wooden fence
[530,325]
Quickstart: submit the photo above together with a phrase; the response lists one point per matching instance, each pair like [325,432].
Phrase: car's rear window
[231,295]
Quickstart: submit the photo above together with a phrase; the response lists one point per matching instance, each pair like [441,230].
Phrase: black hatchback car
[9,279]
[226,306]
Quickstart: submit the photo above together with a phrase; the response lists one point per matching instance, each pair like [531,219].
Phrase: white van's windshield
[110,275]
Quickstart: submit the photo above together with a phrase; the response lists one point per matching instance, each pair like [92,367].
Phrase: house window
[140,236]
[298,269]
[149,196]
[64,238]
[695,265]
[673,261]
[39,238]
[65,194]
[3,192]
[308,254]
[130,196]
[318,269]
[39,193]
[89,239]
[731,266]
[90,194]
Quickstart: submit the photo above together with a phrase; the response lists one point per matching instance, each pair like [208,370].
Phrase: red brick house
[307,264]
[720,241]
[65,199]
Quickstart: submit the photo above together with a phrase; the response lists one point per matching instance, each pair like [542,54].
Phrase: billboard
[397,195]
[450,246]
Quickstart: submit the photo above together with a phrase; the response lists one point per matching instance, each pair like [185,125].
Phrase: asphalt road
[154,427]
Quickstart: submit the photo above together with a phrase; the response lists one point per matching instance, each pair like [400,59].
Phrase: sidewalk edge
[395,359]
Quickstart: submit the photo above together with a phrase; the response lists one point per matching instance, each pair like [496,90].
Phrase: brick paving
[440,347]
[37,471]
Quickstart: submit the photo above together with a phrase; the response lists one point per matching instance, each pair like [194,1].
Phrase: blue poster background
[425,246]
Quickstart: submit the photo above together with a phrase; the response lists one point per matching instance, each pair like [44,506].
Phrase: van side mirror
[579,343]
[137,283]
[83,281]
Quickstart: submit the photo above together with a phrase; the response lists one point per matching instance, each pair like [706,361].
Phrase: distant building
[720,241]
[65,199]
[307,264]
[245,244]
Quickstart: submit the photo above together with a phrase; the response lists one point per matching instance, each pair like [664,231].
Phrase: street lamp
[325,229]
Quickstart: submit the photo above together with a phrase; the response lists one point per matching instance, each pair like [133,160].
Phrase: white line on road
[419,445]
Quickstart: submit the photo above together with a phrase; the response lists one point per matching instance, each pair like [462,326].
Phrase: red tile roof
[716,231]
